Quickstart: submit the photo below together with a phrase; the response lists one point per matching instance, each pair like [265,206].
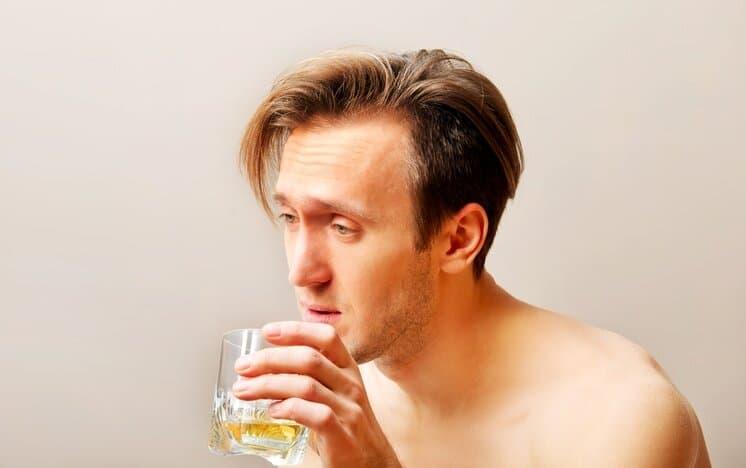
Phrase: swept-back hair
[464,146]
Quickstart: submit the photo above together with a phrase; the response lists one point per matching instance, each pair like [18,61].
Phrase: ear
[462,238]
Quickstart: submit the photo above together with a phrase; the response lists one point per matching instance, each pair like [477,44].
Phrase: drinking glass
[241,427]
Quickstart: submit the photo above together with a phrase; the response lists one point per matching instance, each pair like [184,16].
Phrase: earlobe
[453,266]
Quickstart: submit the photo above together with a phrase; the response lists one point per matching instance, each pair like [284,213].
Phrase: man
[390,173]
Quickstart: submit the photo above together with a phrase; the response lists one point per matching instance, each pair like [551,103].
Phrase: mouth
[322,314]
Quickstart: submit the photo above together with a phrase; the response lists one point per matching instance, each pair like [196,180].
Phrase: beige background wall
[129,241]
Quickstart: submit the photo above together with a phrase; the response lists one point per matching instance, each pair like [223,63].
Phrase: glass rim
[234,330]
[242,337]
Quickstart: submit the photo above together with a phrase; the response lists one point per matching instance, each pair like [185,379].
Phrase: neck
[449,369]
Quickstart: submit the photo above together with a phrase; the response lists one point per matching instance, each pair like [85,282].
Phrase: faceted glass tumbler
[240,427]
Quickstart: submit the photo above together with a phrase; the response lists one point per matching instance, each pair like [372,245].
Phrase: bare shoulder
[621,410]
[639,419]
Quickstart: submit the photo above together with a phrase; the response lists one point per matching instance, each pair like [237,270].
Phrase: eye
[286,218]
[344,230]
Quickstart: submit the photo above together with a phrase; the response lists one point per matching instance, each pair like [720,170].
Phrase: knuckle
[309,389]
[291,406]
[356,392]
[311,359]
[326,416]
[357,417]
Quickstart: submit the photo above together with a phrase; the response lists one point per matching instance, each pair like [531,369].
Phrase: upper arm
[646,424]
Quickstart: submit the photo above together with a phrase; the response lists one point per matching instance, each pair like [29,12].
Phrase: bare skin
[559,410]
[454,371]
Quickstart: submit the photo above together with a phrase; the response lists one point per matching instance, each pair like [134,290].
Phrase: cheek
[373,276]
[288,248]
[376,258]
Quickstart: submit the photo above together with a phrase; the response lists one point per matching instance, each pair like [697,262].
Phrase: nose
[307,260]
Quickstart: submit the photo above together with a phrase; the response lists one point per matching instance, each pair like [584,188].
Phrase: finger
[283,386]
[321,336]
[303,360]
[318,417]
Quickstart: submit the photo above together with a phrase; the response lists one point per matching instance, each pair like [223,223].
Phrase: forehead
[360,162]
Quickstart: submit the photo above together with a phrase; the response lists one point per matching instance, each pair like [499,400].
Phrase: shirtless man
[392,172]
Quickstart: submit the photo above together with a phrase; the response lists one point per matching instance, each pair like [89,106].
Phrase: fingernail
[243,363]
[271,330]
[273,409]
[240,386]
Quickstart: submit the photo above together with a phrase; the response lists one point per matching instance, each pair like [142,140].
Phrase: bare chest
[505,441]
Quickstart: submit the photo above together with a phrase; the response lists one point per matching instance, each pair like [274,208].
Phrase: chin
[361,355]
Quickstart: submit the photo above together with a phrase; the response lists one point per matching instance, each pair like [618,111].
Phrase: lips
[320,313]
[320,308]
[323,311]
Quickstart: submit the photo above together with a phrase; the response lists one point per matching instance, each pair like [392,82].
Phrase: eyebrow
[332,205]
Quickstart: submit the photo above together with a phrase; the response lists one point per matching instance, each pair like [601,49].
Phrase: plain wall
[129,241]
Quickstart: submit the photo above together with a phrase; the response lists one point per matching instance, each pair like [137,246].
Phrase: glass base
[249,430]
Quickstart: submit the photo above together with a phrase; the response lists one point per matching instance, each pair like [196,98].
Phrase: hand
[321,388]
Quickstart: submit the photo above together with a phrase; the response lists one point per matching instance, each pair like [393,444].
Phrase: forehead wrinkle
[344,149]
[322,149]
[324,164]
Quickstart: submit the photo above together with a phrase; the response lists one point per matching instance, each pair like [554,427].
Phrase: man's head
[388,170]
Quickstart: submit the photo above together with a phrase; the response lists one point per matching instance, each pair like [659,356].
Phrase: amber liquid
[250,430]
